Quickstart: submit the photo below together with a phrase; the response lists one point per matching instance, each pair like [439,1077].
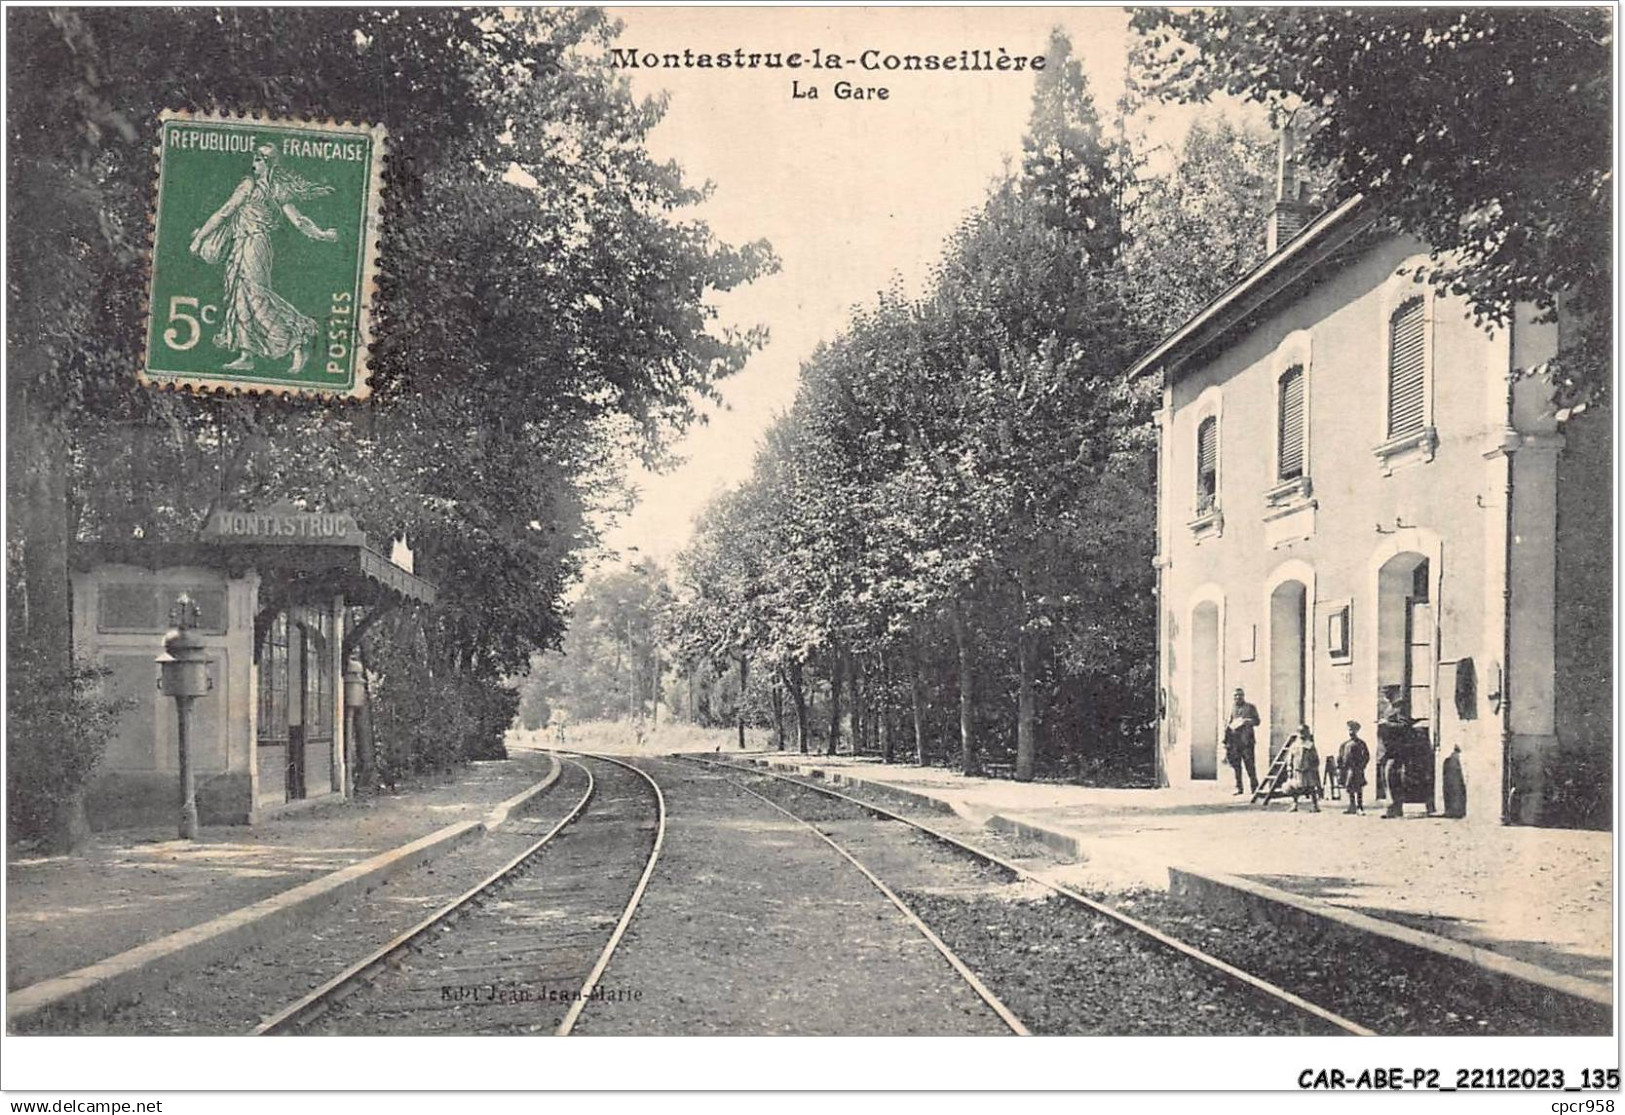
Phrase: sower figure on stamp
[1240,743]
[254,319]
[1352,758]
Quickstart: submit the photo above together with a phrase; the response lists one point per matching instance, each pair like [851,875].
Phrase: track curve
[523,950]
[597,972]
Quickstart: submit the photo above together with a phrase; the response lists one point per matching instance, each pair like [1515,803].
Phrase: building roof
[362,574]
[1320,241]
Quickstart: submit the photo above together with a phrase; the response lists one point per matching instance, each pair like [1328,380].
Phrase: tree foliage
[613,660]
[1485,132]
[64,706]
[949,530]
[1199,226]
[543,314]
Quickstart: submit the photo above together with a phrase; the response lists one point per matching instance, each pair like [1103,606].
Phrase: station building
[282,597]
[1357,493]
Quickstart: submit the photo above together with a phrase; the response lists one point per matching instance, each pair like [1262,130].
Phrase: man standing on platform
[1393,749]
[1240,742]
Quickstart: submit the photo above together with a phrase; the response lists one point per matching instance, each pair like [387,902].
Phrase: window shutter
[1407,370]
[1291,420]
[1207,463]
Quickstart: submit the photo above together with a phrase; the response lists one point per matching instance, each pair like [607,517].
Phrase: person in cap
[1352,757]
[1393,729]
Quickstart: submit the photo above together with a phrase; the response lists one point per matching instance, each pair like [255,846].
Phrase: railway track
[1006,1015]
[1317,1018]
[524,949]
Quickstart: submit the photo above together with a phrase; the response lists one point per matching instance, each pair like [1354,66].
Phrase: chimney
[1292,207]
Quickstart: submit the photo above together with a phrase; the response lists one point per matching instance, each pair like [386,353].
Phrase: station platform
[136,887]
[1542,897]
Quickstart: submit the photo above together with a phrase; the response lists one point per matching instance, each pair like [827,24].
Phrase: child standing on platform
[1352,757]
[1303,765]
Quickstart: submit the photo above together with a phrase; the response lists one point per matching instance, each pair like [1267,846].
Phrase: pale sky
[849,192]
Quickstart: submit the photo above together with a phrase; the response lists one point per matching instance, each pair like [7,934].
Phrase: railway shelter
[283,596]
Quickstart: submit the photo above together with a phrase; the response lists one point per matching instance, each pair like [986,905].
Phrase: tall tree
[959,498]
[609,667]
[1068,167]
[1199,227]
[1032,290]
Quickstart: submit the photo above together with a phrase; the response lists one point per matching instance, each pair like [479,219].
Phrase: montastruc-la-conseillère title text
[996,60]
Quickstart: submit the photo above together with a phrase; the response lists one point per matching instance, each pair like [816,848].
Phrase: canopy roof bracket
[352,637]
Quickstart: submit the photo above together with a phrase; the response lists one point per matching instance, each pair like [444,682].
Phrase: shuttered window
[1407,370]
[1290,429]
[1207,464]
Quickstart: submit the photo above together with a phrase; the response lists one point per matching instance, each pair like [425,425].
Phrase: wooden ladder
[1276,776]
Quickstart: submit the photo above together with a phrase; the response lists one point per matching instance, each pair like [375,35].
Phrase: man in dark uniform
[1393,749]
[1239,741]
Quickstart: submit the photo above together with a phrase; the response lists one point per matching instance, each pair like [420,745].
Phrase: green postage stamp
[265,248]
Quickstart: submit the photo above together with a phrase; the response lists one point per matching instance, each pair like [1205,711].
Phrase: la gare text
[844,91]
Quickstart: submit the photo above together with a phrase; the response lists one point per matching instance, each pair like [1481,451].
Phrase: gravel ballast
[1063,969]
[1359,980]
[233,996]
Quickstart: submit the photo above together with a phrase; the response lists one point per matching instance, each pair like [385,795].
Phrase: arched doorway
[1405,655]
[1207,712]
[1289,641]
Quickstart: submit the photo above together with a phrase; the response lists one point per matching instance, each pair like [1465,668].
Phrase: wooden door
[1419,770]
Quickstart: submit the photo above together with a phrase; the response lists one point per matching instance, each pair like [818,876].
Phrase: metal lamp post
[184,675]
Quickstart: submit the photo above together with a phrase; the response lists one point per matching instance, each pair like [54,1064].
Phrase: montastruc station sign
[285,526]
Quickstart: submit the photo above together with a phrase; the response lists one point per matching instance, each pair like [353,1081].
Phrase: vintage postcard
[951,523]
